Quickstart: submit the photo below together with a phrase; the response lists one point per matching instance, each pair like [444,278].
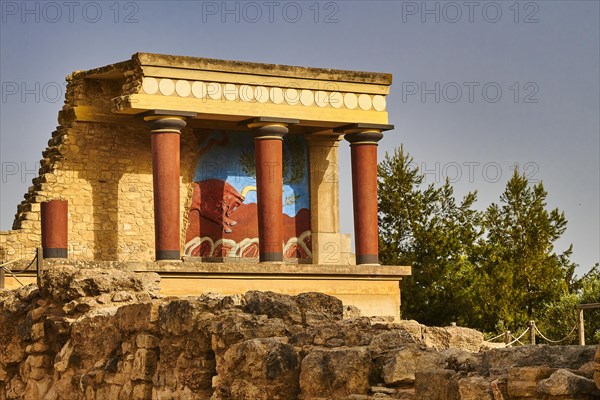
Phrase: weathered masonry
[229,166]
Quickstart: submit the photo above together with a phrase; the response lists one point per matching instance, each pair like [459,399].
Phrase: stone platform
[375,290]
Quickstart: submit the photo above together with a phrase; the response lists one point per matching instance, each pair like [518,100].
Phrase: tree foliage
[518,272]
[561,316]
[428,230]
[492,270]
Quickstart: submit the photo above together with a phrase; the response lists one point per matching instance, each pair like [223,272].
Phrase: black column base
[271,257]
[168,255]
[54,253]
[367,259]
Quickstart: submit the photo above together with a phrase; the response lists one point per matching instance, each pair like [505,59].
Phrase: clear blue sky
[477,86]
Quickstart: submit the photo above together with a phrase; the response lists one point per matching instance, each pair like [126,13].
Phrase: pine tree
[518,272]
[427,229]
[490,270]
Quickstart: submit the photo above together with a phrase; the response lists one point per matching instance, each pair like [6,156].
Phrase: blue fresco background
[229,156]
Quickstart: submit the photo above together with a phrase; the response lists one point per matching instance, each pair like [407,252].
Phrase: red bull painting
[223,220]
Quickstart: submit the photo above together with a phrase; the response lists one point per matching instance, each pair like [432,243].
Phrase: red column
[55,228]
[363,148]
[269,189]
[165,176]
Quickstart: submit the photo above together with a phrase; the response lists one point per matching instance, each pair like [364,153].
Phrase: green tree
[518,274]
[427,229]
[561,316]
[490,270]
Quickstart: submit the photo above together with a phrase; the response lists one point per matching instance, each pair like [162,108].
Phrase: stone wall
[106,334]
[104,171]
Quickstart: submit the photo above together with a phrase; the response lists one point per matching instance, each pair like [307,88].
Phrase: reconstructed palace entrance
[230,167]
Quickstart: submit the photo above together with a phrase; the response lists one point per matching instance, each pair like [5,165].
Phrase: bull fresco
[223,219]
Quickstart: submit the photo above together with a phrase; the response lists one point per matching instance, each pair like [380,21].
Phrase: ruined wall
[105,334]
[104,171]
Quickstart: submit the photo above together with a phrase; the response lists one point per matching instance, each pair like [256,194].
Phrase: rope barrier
[517,339]
[6,269]
[10,272]
[495,337]
[521,343]
[19,259]
[555,341]
[10,262]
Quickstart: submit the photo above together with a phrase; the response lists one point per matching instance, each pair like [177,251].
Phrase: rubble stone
[96,334]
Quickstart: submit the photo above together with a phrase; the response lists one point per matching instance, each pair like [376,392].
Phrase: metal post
[507,337]
[39,265]
[532,333]
[581,326]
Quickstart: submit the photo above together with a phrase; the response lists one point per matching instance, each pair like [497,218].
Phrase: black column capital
[166,121]
[361,133]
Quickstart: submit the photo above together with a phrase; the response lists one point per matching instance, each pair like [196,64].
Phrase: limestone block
[470,388]
[195,373]
[452,337]
[144,365]
[411,326]
[142,391]
[318,307]
[37,389]
[335,373]
[499,361]
[384,343]
[146,341]
[66,283]
[121,296]
[407,361]
[433,384]
[565,383]
[38,373]
[177,317]
[274,305]
[108,392]
[38,347]
[235,327]
[522,382]
[39,361]
[587,370]
[126,391]
[138,317]
[32,216]
[259,369]
[37,313]
[499,388]
[37,331]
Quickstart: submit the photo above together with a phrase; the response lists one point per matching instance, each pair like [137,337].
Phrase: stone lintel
[238,89]
[167,113]
[357,127]
[248,267]
[269,120]
[290,71]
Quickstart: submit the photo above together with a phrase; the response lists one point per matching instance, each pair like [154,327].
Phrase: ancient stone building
[229,166]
